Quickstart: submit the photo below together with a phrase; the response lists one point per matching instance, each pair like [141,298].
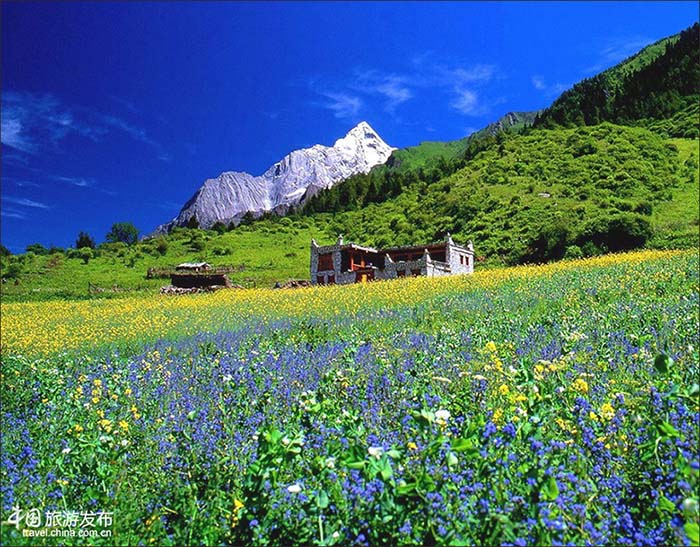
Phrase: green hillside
[540,196]
[574,184]
[659,83]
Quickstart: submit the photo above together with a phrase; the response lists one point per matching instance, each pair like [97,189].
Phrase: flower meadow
[553,404]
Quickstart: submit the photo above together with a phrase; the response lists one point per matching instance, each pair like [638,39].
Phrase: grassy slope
[676,221]
[268,251]
[495,201]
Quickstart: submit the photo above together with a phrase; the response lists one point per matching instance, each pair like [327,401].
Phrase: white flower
[330,463]
[375,451]
[105,439]
[294,488]
[227,378]
[336,535]
[442,379]
[124,442]
[285,441]
[690,507]
[441,416]
[66,450]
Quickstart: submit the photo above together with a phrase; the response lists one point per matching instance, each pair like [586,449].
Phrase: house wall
[453,254]
[392,270]
[437,269]
[458,260]
[336,275]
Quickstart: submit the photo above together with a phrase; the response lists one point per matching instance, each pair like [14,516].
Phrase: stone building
[345,263]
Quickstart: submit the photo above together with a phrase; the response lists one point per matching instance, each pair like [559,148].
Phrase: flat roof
[346,246]
[417,248]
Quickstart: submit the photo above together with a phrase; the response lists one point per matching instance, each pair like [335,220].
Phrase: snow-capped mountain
[297,176]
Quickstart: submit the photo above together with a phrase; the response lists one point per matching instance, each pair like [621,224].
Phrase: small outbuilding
[193,267]
[198,275]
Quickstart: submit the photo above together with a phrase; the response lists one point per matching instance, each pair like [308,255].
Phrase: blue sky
[119,111]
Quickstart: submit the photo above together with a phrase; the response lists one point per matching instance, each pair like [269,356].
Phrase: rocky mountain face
[512,120]
[296,177]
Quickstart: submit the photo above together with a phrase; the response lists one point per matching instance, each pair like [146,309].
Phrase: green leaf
[452,459]
[405,489]
[356,465]
[693,532]
[463,445]
[322,499]
[385,470]
[668,430]
[393,453]
[550,490]
[666,504]
[663,363]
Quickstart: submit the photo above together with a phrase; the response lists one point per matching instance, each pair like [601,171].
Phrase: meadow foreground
[553,404]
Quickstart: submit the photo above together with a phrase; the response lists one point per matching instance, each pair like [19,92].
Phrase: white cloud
[394,89]
[613,50]
[466,102]
[473,74]
[75,181]
[33,123]
[11,131]
[12,213]
[25,202]
[457,84]
[538,82]
[548,90]
[342,105]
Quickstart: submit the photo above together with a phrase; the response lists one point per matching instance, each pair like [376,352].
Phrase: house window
[319,280]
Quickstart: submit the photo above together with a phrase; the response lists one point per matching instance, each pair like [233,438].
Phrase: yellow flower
[498,417]
[519,398]
[504,389]
[105,424]
[607,411]
[412,446]
[237,506]
[95,400]
[124,425]
[127,391]
[593,416]
[490,347]
[580,385]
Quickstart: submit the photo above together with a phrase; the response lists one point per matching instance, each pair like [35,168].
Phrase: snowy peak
[299,175]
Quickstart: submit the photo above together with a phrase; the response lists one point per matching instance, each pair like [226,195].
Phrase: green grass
[676,222]
[269,251]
